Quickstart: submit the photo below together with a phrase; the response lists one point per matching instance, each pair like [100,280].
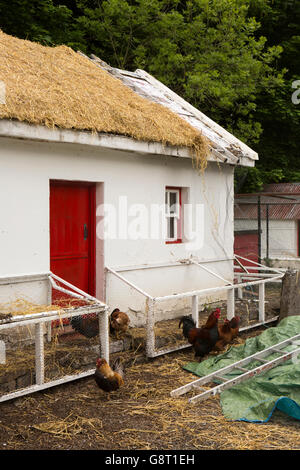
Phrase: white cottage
[98,170]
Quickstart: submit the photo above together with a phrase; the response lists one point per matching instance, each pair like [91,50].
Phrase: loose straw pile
[70,426]
[22,306]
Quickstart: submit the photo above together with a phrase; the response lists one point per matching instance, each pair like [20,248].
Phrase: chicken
[225,335]
[109,378]
[234,326]
[207,338]
[203,339]
[187,323]
[87,325]
[227,332]
[119,322]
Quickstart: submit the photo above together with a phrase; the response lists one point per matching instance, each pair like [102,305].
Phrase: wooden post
[49,325]
[39,353]
[195,309]
[150,346]
[259,227]
[230,304]
[240,290]
[261,302]
[104,334]
[290,294]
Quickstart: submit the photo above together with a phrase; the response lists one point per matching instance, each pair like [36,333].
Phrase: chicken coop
[127,214]
[247,274]
[30,357]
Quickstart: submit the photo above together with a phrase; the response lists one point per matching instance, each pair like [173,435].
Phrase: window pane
[173,203]
[171,228]
[173,214]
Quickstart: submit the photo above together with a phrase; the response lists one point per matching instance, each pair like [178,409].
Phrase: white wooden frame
[172,215]
[274,275]
[38,319]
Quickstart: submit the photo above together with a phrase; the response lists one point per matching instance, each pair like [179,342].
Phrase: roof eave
[23,130]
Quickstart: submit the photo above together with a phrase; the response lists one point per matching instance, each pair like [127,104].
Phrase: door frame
[92,225]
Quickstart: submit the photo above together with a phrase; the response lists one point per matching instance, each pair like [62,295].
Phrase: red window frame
[178,238]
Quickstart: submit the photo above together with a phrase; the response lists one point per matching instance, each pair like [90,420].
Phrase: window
[173,215]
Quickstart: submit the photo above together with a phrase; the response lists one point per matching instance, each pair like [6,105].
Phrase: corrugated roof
[289,188]
[283,200]
[276,211]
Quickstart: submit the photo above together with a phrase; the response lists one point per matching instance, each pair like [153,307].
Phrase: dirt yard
[140,416]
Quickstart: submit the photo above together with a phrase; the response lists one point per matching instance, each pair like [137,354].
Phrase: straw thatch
[58,87]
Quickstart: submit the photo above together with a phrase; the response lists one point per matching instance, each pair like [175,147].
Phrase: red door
[72,233]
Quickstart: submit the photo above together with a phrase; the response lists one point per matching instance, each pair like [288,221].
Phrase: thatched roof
[58,87]
[224,147]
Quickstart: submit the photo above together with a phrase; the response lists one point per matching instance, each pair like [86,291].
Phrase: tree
[205,50]
[235,60]
[278,146]
[36,20]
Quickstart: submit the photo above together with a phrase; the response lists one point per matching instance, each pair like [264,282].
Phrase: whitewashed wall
[27,167]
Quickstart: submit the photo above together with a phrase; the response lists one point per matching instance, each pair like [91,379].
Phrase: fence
[25,354]
[267,228]
[246,274]
[38,365]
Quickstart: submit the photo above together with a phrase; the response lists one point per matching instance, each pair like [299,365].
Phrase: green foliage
[278,145]
[204,50]
[235,60]
[36,20]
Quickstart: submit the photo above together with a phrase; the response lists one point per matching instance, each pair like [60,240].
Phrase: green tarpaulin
[255,399]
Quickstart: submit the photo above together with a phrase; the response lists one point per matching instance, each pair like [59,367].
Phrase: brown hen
[119,322]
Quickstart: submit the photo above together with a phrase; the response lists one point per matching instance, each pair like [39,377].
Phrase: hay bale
[58,87]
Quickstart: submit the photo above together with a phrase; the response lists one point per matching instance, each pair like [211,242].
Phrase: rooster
[109,378]
[187,323]
[203,339]
[228,331]
[119,322]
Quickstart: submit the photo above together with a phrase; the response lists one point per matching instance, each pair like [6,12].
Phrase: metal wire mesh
[47,339]
[267,229]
